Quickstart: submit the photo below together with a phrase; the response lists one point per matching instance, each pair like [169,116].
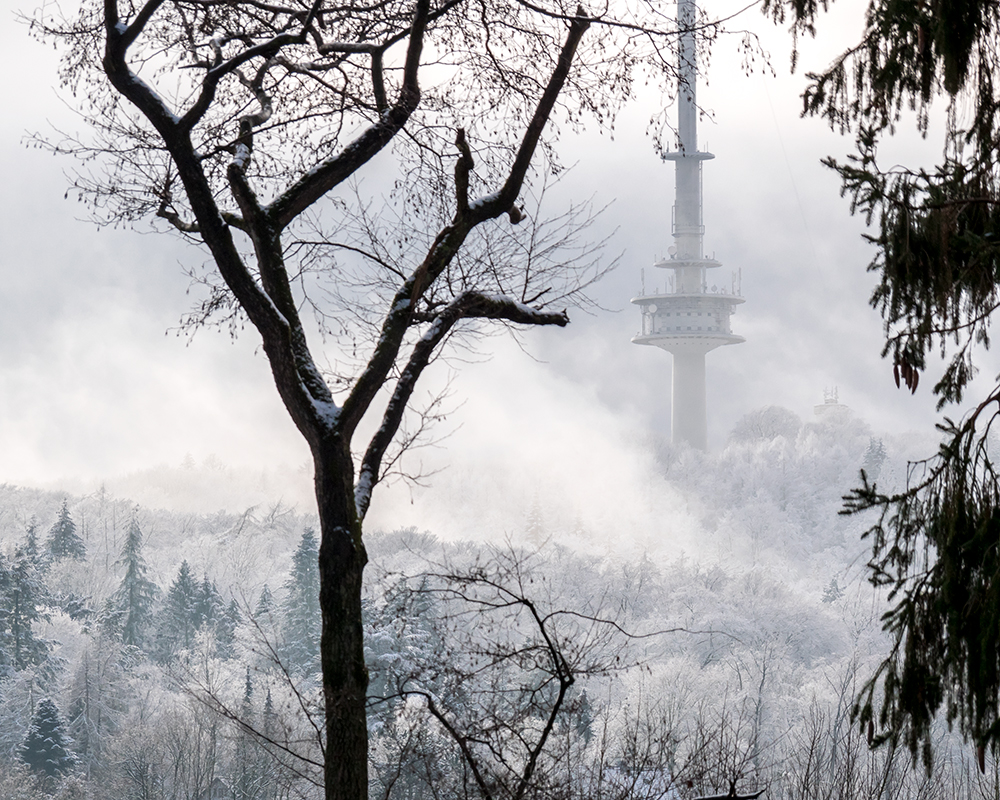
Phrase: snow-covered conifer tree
[265,606]
[248,757]
[133,600]
[46,748]
[23,598]
[207,604]
[30,547]
[270,765]
[225,629]
[875,457]
[177,624]
[300,609]
[64,541]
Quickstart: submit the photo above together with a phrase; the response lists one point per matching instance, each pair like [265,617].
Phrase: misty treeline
[158,655]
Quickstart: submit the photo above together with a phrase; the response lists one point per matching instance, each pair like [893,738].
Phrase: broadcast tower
[688,317]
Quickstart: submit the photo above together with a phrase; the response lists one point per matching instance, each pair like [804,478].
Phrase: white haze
[560,437]
[95,388]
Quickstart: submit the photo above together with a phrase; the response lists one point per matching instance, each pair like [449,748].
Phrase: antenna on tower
[688,320]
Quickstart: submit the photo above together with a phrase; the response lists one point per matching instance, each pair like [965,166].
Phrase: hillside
[725,639]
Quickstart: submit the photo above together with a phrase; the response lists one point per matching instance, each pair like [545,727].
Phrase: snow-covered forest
[155,654]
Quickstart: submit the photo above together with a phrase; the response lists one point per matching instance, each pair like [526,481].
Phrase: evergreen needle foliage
[64,541]
[177,623]
[133,602]
[937,238]
[23,603]
[300,610]
[46,747]
[935,547]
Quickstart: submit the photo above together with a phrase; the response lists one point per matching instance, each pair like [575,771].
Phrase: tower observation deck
[688,317]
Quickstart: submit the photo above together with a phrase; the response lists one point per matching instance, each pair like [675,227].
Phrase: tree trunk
[342,560]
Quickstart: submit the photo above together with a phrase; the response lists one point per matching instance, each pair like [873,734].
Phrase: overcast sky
[93,383]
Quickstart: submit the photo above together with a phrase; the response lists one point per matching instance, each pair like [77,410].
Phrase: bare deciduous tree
[500,686]
[241,124]
[497,673]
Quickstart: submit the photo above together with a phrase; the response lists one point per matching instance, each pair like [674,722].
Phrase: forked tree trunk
[267,298]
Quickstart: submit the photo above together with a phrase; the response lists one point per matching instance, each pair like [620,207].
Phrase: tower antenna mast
[688,319]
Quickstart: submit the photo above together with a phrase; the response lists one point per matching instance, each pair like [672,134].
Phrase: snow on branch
[469,305]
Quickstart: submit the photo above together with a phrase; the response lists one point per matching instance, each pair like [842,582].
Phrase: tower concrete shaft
[688,414]
[688,319]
